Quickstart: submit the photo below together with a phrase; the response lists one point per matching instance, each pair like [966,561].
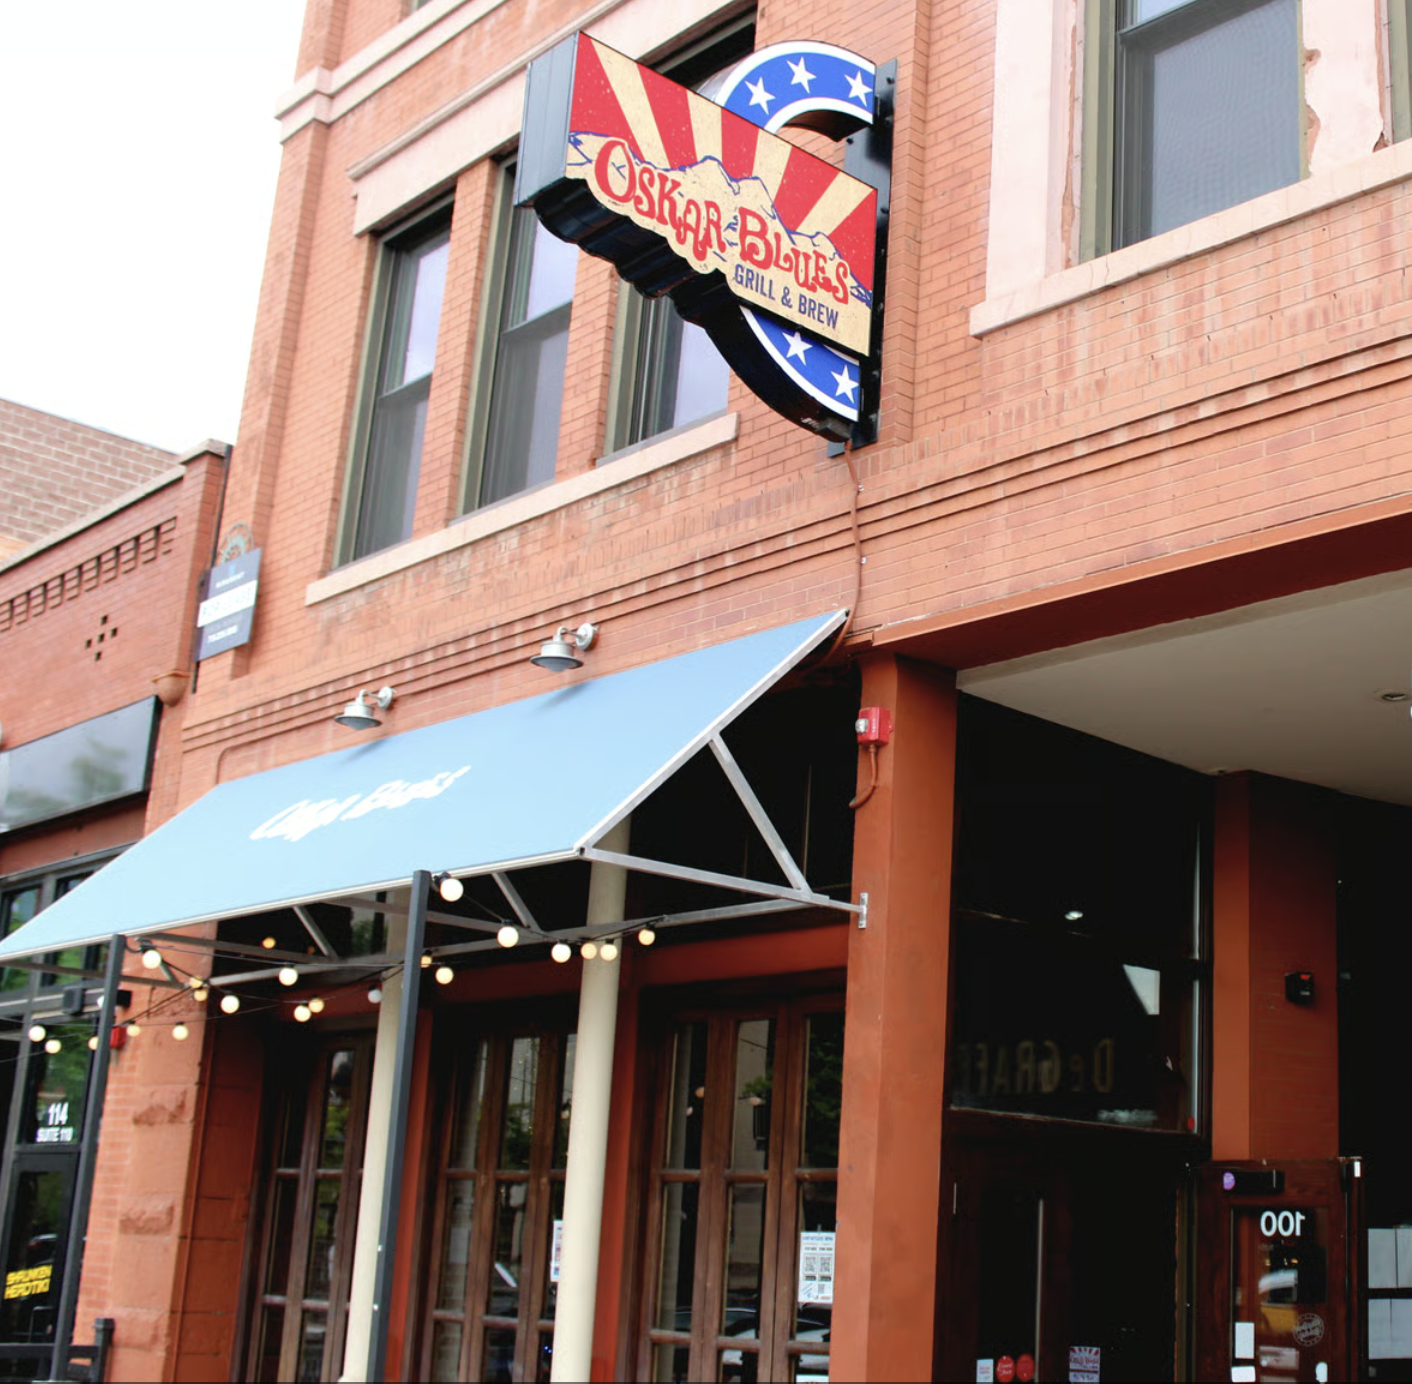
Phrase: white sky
[138,157]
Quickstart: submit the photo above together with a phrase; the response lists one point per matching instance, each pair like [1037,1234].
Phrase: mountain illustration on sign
[811,260]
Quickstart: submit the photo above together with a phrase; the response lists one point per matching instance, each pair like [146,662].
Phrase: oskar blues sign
[772,250]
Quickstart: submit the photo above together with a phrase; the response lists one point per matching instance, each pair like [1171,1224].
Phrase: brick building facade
[1134,590]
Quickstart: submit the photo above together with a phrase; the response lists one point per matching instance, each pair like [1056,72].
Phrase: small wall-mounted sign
[227,608]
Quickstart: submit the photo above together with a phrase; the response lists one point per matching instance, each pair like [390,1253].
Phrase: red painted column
[894,1049]
[1275,1064]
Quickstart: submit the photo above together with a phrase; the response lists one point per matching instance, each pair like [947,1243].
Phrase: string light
[609,950]
[52,1046]
[151,958]
[230,1004]
[561,952]
[201,995]
[38,1033]
[195,982]
[508,935]
[180,1032]
[302,1013]
[133,1030]
[268,943]
[646,936]
[288,975]
[444,975]
[589,950]
[450,888]
[426,960]
[93,1043]
[316,1005]
[375,995]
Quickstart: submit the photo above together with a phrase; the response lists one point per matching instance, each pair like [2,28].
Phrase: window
[669,373]
[20,901]
[743,1194]
[312,1176]
[501,1155]
[524,363]
[1191,106]
[388,445]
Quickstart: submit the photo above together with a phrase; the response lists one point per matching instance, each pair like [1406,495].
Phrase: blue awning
[528,783]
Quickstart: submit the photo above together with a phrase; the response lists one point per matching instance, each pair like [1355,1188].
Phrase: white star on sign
[858,88]
[758,95]
[797,345]
[802,75]
[846,384]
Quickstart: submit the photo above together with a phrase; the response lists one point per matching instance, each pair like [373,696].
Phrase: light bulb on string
[444,975]
[151,958]
[53,1046]
[508,935]
[268,943]
[302,1013]
[316,1005]
[451,889]
[133,1030]
[230,1004]
[180,1032]
[561,952]
[375,995]
[38,1033]
[288,975]
[93,1043]
[201,995]
[609,950]
[589,950]
[646,936]
[426,960]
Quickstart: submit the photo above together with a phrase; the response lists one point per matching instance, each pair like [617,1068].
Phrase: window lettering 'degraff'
[295,822]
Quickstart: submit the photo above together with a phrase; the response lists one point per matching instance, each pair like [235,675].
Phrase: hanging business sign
[227,609]
[770,249]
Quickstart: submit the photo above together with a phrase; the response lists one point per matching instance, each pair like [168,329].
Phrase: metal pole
[586,1169]
[397,1128]
[87,1164]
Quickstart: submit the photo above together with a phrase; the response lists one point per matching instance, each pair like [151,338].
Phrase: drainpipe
[588,1129]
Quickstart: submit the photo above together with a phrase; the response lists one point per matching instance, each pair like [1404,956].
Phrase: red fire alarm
[874,725]
[117,1038]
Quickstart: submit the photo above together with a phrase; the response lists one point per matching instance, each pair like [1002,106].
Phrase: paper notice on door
[1245,1340]
[985,1372]
[1084,1364]
[1242,1374]
[816,1256]
[556,1251]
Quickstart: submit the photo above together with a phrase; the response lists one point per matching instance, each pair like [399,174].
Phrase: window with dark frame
[1191,107]
[501,1155]
[412,285]
[669,373]
[742,1194]
[527,358]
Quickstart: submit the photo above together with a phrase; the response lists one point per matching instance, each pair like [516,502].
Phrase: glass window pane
[677,1276]
[38,1211]
[286,1195]
[553,264]
[745,1260]
[499,1366]
[323,1243]
[545,1359]
[823,1090]
[566,1101]
[503,1294]
[271,1330]
[469,1100]
[445,1352]
[703,377]
[338,1105]
[671,1364]
[1218,113]
[58,1086]
[418,352]
[456,1246]
[754,1080]
[739,1366]
[521,1086]
[525,410]
[16,909]
[313,1335]
[394,465]
[686,1112]
[816,1265]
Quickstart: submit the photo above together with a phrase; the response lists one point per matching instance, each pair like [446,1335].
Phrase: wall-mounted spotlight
[562,652]
[358,715]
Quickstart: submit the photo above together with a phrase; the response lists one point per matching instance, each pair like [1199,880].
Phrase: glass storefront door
[1064,1260]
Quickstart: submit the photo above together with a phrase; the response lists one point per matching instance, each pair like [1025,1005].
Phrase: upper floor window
[525,361]
[388,445]
[1192,106]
